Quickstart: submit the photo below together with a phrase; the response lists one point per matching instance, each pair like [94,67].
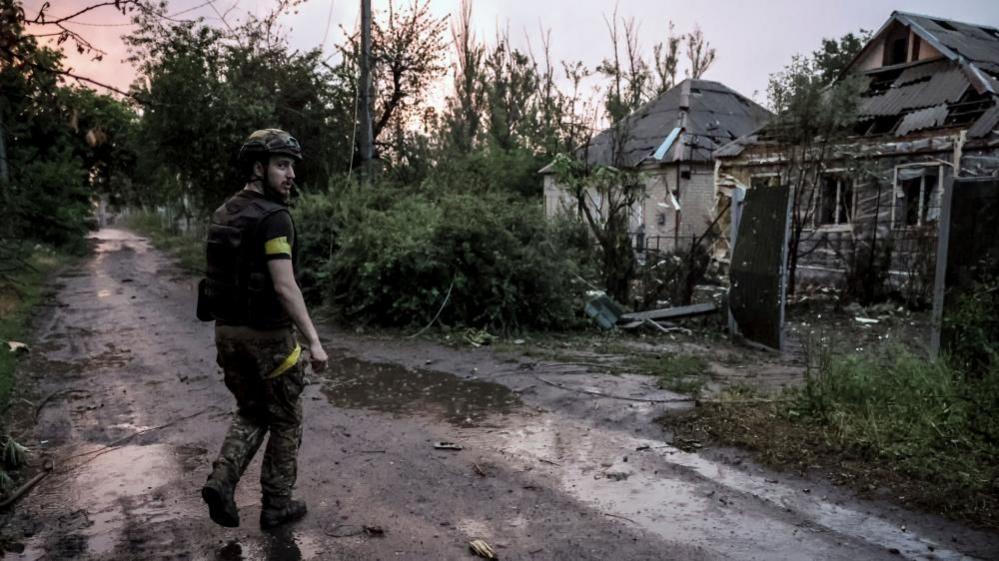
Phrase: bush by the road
[389,256]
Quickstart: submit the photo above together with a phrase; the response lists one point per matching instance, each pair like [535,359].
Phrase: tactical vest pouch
[224,292]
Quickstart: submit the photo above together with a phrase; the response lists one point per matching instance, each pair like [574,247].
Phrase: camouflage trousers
[267,386]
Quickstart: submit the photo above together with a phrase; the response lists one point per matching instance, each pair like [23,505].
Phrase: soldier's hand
[318,358]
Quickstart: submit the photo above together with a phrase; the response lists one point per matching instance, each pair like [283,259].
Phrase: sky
[752,39]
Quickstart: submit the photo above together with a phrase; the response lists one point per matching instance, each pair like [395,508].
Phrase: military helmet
[270,142]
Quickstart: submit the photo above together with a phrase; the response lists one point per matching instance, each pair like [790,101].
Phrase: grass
[187,247]
[18,298]
[888,422]
[681,373]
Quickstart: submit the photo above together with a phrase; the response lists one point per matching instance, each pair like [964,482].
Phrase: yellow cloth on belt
[289,361]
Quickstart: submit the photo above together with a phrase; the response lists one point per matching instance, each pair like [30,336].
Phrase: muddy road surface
[555,463]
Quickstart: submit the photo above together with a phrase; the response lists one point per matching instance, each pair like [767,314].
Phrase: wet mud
[551,462]
[399,390]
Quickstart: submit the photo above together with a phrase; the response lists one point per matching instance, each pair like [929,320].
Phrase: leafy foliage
[810,117]
[605,197]
[398,253]
[230,88]
[62,144]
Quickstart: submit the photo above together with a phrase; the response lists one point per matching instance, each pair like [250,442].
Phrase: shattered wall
[880,172]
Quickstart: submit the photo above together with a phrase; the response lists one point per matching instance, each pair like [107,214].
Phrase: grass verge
[187,247]
[19,294]
[889,423]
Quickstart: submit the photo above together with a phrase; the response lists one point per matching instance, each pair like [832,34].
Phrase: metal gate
[759,266]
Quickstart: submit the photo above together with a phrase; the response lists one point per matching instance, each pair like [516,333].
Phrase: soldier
[251,293]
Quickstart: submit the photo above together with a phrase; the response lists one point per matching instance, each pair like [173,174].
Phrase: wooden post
[940,275]
[735,210]
[365,134]
[785,276]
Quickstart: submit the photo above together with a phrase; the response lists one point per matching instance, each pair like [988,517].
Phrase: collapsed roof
[685,124]
[946,78]
[921,73]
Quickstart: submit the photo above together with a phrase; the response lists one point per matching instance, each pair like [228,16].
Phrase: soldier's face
[281,175]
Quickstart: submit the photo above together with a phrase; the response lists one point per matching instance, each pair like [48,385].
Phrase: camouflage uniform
[254,337]
[265,402]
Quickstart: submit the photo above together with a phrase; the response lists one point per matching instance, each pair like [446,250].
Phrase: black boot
[221,506]
[281,511]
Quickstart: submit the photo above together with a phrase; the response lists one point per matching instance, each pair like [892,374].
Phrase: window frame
[925,199]
[844,177]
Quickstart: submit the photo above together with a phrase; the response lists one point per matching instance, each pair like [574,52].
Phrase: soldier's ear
[258,168]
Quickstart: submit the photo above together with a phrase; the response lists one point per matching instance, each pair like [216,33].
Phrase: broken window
[764,180]
[835,200]
[917,196]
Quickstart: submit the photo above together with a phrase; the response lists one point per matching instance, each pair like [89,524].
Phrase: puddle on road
[689,499]
[113,491]
[110,240]
[120,486]
[286,544]
[390,388]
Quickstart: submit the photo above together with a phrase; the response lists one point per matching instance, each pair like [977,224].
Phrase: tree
[633,80]
[464,108]
[407,48]
[811,119]
[61,144]
[232,82]
[666,61]
[16,43]
[700,53]
[629,80]
[836,54]
[605,197]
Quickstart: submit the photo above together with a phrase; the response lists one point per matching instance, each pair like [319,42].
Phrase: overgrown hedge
[388,255]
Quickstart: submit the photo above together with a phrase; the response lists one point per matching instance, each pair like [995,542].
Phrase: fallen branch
[118,443]
[53,395]
[621,517]
[47,468]
[447,298]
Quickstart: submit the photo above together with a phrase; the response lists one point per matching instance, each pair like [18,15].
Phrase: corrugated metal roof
[966,44]
[709,113]
[923,119]
[985,124]
[942,87]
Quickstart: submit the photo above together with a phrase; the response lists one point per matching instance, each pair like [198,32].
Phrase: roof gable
[975,48]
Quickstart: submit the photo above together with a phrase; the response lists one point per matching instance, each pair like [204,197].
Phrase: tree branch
[40,18]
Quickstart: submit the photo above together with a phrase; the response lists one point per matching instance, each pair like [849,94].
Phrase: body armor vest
[238,289]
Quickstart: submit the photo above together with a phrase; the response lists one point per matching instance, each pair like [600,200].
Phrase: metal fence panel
[968,245]
[759,262]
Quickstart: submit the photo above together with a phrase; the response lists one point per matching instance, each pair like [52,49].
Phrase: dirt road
[556,463]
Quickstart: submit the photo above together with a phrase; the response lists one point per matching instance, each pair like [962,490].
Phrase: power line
[329,19]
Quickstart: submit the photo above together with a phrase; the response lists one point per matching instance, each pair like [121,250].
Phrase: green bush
[388,255]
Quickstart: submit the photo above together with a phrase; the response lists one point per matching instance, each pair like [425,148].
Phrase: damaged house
[671,140]
[928,112]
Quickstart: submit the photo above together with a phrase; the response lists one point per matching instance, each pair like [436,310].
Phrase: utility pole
[365,134]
